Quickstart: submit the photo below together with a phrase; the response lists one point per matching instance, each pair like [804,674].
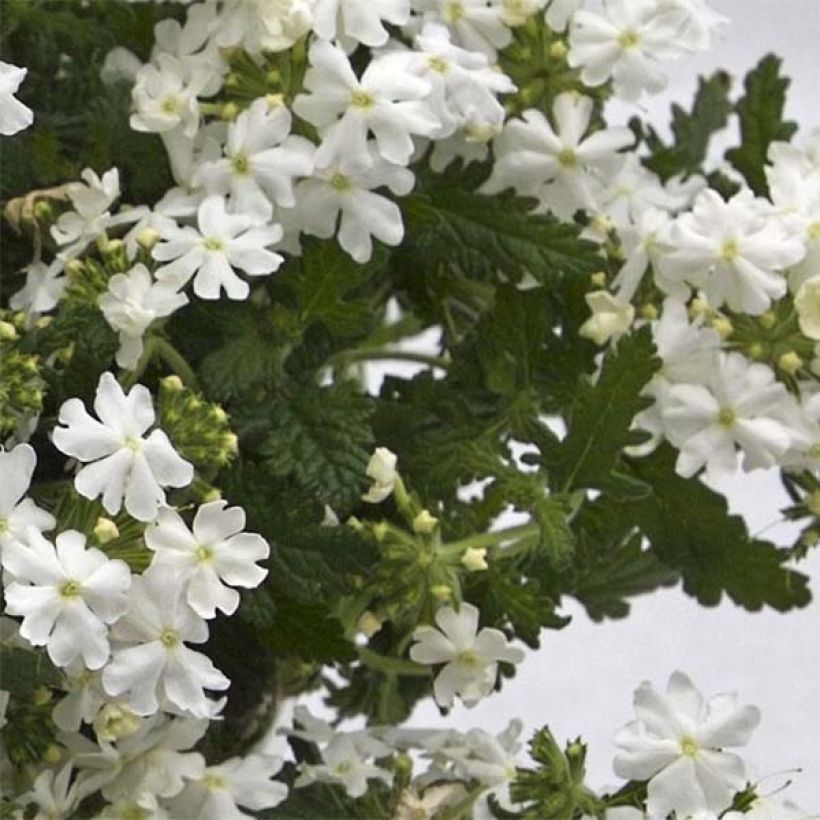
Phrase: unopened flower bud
[767,320]
[172,383]
[424,523]
[42,696]
[229,112]
[790,362]
[369,623]
[382,469]
[381,530]
[43,211]
[105,530]
[598,279]
[147,238]
[559,50]
[474,559]
[274,101]
[53,754]
[74,267]
[8,333]
[649,312]
[213,494]
[723,325]
[114,722]
[442,592]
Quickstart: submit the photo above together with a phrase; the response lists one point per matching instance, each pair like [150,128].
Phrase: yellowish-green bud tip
[105,530]
[790,362]
[424,523]
[474,559]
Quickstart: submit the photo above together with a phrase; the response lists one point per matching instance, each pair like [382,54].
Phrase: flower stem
[176,361]
[491,539]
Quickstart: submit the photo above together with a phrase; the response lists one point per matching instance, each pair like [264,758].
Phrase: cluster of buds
[199,429]
[21,386]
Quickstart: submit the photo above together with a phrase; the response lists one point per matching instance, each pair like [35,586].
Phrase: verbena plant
[223,213]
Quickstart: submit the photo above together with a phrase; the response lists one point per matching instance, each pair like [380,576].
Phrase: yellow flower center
[629,39]
[133,443]
[169,105]
[70,589]
[568,158]
[240,164]
[339,182]
[439,64]
[730,251]
[213,243]
[214,781]
[813,232]
[361,99]
[204,554]
[468,658]
[453,12]
[169,638]
[689,747]
[727,417]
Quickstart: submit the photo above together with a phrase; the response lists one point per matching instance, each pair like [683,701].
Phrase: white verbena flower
[261,161]
[737,405]
[125,464]
[14,116]
[735,251]
[345,200]
[382,469]
[677,743]
[163,100]
[91,200]
[151,661]
[359,20]
[477,25]
[66,593]
[263,25]
[211,555]
[345,765]
[18,516]
[43,289]
[223,242]
[131,303]
[611,316]
[387,101]
[560,166]
[470,657]
[239,781]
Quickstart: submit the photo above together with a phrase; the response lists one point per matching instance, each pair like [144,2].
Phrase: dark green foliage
[761,121]
[485,235]
[692,131]
[600,421]
[691,531]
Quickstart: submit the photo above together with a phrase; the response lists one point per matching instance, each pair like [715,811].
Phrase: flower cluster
[121,638]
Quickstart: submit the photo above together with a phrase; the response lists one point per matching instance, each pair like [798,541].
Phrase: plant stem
[176,361]
[491,539]
[363,355]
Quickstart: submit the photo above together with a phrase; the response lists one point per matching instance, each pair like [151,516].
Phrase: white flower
[14,116]
[333,196]
[240,781]
[733,250]
[212,554]
[477,25]
[91,215]
[559,13]
[151,662]
[807,303]
[83,698]
[611,316]
[54,794]
[559,166]
[262,159]
[698,22]
[223,241]
[141,806]
[163,100]
[151,760]
[360,20]
[382,469]
[126,465]
[131,303]
[264,25]
[626,43]
[345,765]
[736,406]
[463,84]
[677,744]
[66,594]
[43,289]
[470,657]
[386,101]
[16,516]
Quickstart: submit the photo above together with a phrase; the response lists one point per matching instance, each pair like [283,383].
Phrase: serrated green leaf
[321,436]
[692,131]
[447,221]
[691,531]
[601,419]
[323,280]
[761,121]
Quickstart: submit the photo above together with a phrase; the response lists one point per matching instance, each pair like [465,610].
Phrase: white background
[581,681]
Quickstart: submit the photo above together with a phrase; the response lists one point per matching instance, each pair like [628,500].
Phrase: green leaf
[321,437]
[691,530]
[323,280]
[22,671]
[761,121]
[447,221]
[692,131]
[600,422]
